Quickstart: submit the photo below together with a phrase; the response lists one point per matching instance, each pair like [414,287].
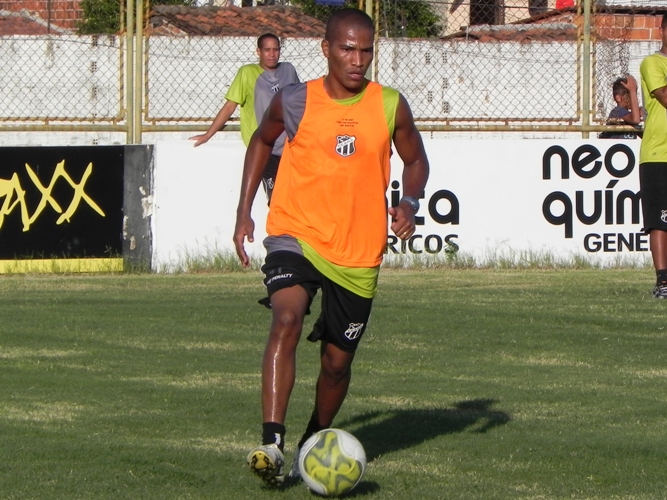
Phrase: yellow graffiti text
[14,195]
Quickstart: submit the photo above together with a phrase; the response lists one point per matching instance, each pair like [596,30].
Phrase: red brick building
[57,13]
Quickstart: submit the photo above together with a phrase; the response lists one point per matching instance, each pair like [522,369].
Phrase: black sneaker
[660,291]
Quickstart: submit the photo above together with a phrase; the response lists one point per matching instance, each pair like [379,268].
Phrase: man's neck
[338,92]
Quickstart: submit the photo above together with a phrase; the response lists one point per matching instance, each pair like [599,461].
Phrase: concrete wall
[60,77]
[138,206]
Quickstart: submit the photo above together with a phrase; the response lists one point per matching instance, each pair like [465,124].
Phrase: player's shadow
[392,430]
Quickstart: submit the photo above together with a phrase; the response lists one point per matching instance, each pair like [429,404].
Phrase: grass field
[470,384]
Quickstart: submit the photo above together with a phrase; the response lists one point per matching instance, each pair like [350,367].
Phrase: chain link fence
[61,78]
[478,64]
[622,39]
[51,73]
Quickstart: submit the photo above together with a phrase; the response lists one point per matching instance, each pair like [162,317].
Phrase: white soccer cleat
[267,462]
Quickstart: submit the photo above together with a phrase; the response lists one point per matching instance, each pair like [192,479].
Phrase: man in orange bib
[327,223]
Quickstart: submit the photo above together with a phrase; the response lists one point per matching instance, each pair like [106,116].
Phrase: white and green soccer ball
[332,462]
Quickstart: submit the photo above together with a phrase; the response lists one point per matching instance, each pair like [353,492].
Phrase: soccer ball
[332,462]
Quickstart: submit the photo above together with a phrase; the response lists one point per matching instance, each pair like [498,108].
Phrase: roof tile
[25,23]
[234,21]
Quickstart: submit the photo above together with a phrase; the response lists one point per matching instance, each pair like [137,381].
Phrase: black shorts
[344,314]
[653,187]
[269,175]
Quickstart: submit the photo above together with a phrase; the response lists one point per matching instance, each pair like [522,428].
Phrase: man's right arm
[218,122]
[257,155]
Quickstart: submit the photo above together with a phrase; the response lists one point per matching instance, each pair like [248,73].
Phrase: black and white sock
[273,433]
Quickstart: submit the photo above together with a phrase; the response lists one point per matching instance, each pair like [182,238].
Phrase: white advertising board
[486,199]
[196,191]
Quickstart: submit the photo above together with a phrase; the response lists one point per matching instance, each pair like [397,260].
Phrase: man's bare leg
[288,308]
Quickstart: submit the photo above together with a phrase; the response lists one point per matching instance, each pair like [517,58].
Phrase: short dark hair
[617,87]
[349,16]
[260,40]
[663,24]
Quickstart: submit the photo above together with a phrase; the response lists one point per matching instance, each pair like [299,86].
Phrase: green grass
[470,384]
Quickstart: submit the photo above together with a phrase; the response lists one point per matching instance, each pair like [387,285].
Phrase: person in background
[253,88]
[627,110]
[653,159]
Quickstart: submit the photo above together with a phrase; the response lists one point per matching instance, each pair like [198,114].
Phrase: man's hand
[402,221]
[630,84]
[201,139]
[245,228]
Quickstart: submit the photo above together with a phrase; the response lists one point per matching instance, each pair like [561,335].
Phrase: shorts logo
[345,145]
[663,216]
[278,277]
[353,331]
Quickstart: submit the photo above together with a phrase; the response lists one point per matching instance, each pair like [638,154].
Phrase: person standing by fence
[253,88]
[627,110]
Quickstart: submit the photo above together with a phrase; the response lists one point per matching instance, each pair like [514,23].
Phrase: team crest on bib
[345,145]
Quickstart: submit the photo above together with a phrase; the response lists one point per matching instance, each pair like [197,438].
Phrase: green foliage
[104,16]
[409,19]
[99,16]
[322,12]
[398,18]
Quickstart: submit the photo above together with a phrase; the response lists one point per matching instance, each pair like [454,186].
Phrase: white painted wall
[59,77]
[499,186]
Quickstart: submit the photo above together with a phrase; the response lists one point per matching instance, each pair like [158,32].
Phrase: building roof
[560,25]
[233,21]
[25,23]
[550,32]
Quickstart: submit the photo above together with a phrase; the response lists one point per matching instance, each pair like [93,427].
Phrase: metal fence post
[129,75]
[369,10]
[586,72]
[138,72]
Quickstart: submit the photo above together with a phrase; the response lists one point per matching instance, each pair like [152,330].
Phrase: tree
[398,18]
[103,16]
[409,18]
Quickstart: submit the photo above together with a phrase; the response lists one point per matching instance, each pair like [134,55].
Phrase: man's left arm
[410,148]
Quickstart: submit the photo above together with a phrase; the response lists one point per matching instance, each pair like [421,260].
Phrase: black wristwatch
[412,201]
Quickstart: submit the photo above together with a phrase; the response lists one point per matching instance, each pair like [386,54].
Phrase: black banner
[61,202]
